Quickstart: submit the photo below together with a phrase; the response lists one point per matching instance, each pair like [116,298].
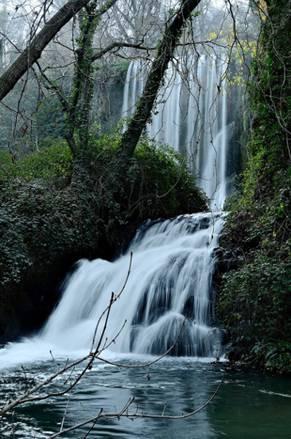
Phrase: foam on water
[167,300]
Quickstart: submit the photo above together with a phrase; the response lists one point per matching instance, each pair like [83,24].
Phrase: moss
[254,297]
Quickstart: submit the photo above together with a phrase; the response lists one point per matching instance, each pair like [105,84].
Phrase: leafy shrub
[55,161]
[50,162]
[7,166]
[256,304]
[155,180]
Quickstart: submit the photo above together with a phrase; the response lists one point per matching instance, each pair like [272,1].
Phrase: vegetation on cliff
[255,295]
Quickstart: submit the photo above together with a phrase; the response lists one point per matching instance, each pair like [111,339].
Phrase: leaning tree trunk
[34,49]
[165,53]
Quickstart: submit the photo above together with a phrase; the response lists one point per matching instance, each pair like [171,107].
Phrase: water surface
[248,405]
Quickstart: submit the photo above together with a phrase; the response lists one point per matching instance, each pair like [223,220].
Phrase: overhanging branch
[165,53]
[35,48]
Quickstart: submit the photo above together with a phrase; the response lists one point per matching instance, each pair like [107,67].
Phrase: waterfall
[168,298]
[165,124]
[167,301]
[134,84]
[191,115]
[169,292]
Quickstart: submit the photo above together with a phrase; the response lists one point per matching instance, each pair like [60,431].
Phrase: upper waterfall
[191,115]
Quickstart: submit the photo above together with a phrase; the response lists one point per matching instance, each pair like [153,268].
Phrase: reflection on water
[247,405]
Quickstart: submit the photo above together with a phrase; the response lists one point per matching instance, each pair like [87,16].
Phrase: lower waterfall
[167,300]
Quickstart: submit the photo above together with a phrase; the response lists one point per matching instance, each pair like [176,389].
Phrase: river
[247,405]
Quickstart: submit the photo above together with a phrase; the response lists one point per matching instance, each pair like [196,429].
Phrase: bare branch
[165,52]
[134,415]
[34,50]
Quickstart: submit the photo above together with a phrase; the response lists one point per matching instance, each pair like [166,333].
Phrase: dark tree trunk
[165,53]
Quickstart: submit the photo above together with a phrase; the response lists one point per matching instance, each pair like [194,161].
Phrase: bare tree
[77,107]
[35,48]
[165,52]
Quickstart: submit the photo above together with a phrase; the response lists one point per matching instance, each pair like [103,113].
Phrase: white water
[191,115]
[167,299]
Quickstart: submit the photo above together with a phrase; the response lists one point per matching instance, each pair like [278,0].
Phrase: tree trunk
[166,50]
[83,80]
[34,50]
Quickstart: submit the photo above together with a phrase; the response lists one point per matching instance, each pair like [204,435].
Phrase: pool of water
[247,405]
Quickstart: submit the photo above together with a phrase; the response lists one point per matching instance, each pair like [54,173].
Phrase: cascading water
[134,84]
[168,298]
[191,116]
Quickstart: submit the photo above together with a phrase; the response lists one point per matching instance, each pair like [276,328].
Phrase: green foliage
[55,161]
[117,70]
[7,167]
[254,301]
[167,175]
[155,180]
[274,357]
[255,296]
[50,162]
[250,176]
